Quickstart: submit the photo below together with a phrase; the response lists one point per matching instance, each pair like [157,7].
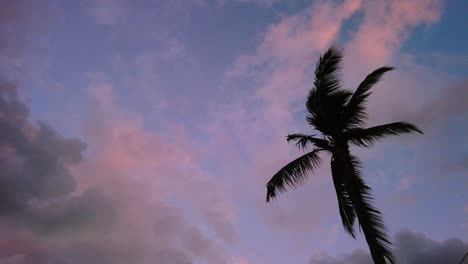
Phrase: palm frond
[365,137]
[302,141]
[327,71]
[324,110]
[354,113]
[293,174]
[345,205]
[326,99]
[370,219]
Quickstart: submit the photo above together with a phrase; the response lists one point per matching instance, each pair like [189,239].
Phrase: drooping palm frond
[293,174]
[354,113]
[345,205]
[370,219]
[365,137]
[302,141]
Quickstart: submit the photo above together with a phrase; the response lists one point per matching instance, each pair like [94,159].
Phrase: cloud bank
[410,248]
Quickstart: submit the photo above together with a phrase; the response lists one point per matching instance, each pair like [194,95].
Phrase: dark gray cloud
[411,248]
[417,248]
[37,189]
[35,179]
[356,257]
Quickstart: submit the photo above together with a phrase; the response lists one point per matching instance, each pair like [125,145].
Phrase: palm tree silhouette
[338,115]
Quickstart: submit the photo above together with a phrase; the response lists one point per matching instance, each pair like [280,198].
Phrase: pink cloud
[12,243]
[386,25]
[281,66]
[309,32]
[238,260]
[280,70]
[149,166]
[295,40]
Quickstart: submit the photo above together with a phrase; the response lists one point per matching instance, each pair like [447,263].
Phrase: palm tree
[338,115]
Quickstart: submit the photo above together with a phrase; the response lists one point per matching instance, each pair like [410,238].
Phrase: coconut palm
[338,115]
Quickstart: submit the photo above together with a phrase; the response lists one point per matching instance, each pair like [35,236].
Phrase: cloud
[108,12]
[39,195]
[288,49]
[35,160]
[386,25]
[279,72]
[449,103]
[38,191]
[357,256]
[115,199]
[175,242]
[145,174]
[37,187]
[112,206]
[238,260]
[435,116]
[411,248]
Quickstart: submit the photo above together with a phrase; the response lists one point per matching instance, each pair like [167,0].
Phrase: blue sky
[181,109]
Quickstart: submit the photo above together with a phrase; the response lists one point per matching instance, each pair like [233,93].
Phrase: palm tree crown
[338,115]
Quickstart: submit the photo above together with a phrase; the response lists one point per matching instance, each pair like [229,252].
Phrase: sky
[145,131]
